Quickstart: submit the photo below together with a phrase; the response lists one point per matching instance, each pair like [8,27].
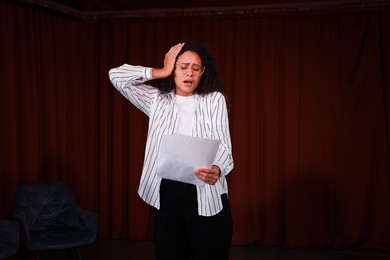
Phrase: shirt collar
[172,94]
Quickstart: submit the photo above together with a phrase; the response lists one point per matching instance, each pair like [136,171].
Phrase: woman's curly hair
[210,80]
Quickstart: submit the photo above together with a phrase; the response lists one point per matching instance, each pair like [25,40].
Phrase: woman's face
[188,73]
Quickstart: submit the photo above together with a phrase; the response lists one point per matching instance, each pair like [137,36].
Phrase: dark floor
[143,250]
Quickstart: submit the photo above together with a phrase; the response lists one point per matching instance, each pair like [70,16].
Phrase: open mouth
[188,81]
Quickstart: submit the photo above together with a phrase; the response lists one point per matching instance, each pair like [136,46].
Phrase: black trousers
[180,233]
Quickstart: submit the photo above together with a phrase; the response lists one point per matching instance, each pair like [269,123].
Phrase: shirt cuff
[148,73]
[220,168]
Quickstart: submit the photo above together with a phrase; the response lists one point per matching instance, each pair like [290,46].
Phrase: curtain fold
[309,111]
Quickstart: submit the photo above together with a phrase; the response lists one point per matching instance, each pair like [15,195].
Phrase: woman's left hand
[208,175]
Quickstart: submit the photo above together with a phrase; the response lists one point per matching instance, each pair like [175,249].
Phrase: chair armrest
[25,228]
[90,220]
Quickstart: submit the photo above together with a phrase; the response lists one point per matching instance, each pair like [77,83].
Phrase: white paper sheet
[180,155]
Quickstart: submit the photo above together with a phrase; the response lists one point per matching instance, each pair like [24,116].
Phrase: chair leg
[78,254]
[74,253]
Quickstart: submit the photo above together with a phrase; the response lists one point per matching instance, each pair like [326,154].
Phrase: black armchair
[50,218]
[9,238]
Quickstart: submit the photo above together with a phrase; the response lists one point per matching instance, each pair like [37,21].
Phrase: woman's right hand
[169,62]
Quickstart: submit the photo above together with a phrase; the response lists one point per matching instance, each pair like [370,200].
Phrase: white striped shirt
[211,121]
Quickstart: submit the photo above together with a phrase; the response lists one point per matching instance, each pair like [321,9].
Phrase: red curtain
[309,113]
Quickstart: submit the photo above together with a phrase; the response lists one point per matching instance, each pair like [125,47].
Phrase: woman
[185,97]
